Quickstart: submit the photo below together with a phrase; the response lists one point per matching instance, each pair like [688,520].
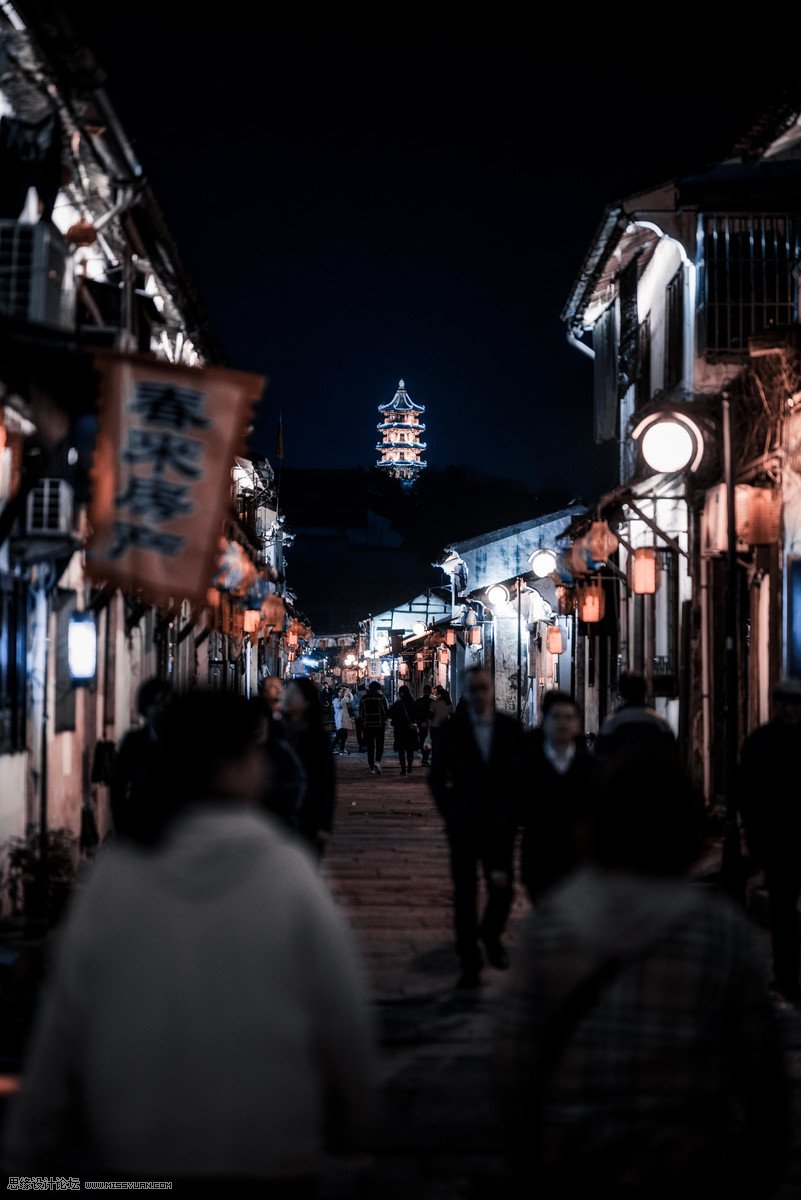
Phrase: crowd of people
[204,960]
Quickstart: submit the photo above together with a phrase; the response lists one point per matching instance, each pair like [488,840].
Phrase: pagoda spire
[400,428]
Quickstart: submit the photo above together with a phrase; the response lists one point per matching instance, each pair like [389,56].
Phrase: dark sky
[354,211]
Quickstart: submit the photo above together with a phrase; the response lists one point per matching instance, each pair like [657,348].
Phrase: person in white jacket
[207,1015]
[343,719]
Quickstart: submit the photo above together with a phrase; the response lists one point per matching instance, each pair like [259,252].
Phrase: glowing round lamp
[543,563]
[498,594]
[591,602]
[553,640]
[350,660]
[82,648]
[667,446]
[644,571]
[418,629]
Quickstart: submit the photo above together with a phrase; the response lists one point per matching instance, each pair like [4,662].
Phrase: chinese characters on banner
[167,438]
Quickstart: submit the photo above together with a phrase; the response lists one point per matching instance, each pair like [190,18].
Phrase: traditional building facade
[687,306]
[88,267]
[506,611]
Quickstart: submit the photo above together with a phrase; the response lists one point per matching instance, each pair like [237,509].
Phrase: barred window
[674,332]
[749,277]
[13,654]
[643,386]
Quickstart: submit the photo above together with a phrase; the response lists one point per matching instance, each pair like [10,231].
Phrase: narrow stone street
[437,1136]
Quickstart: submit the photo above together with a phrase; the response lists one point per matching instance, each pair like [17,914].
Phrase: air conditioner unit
[36,276]
[49,509]
[757,518]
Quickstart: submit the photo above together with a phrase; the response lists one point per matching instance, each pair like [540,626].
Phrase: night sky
[355,211]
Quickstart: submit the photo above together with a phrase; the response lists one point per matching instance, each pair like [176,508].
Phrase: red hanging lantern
[591,602]
[644,571]
[553,640]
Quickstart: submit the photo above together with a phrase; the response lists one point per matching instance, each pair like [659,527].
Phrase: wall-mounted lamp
[403,667]
[443,656]
[474,636]
[498,594]
[450,637]
[669,441]
[543,562]
[82,648]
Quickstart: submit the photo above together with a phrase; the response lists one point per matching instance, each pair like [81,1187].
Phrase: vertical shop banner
[161,477]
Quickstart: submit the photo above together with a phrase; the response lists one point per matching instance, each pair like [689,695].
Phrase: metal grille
[750,284]
[674,348]
[33,272]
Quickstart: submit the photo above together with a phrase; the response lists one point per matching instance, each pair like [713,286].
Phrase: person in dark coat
[374,712]
[422,715]
[286,778]
[556,774]
[312,744]
[471,781]
[132,774]
[635,725]
[771,815]
[402,716]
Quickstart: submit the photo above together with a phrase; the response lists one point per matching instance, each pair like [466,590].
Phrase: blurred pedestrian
[634,725]
[771,814]
[343,720]
[442,709]
[472,784]
[312,744]
[406,740]
[356,713]
[422,716]
[132,772]
[206,1019]
[637,1047]
[327,707]
[286,778]
[375,715]
[556,773]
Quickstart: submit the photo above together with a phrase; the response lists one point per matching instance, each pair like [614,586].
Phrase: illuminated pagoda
[400,429]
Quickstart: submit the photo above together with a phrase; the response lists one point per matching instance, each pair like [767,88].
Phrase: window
[674,332]
[749,281]
[643,384]
[13,653]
